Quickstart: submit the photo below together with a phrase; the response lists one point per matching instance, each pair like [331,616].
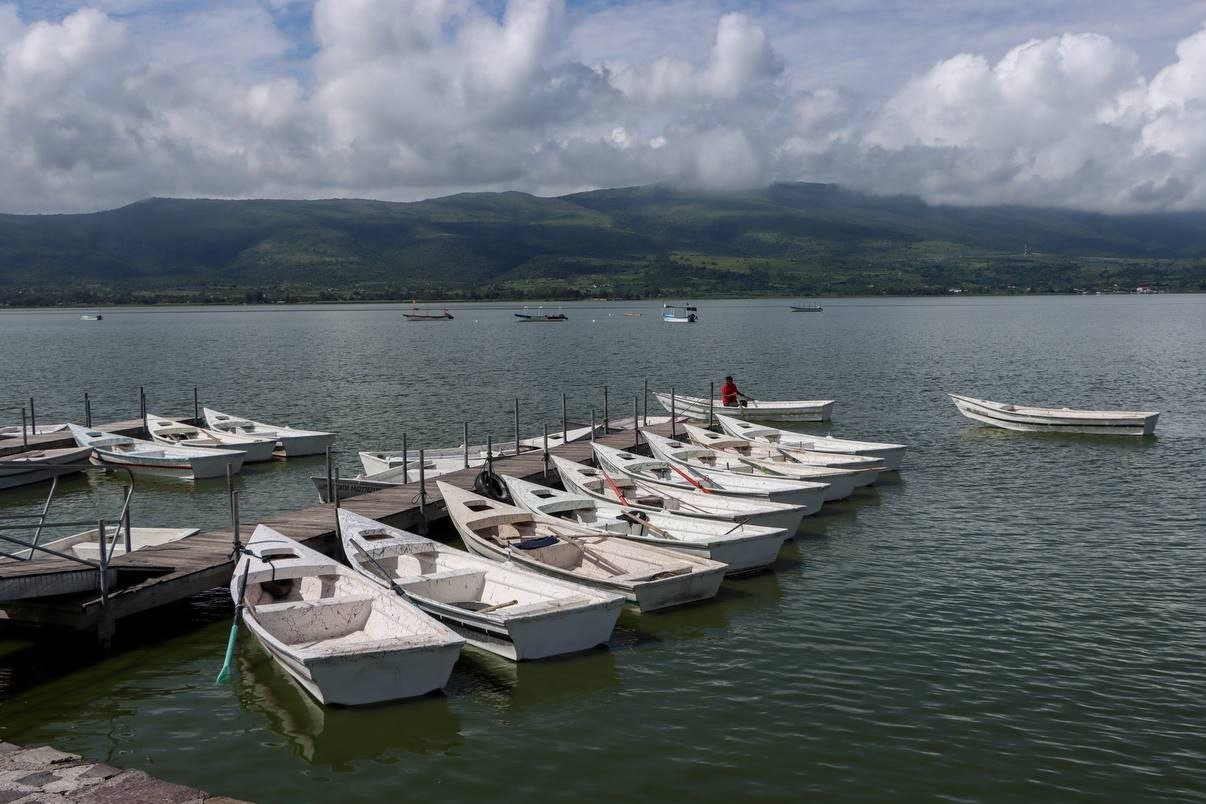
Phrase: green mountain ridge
[657,240]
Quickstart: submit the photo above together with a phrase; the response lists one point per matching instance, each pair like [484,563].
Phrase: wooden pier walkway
[181,569]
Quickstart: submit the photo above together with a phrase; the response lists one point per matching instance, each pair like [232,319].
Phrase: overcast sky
[1094,104]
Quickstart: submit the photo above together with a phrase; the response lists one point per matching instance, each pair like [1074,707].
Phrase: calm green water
[1018,618]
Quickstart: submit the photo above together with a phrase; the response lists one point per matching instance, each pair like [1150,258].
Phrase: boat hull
[1142,425]
[804,411]
[14,474]
[297,446]
[198,468]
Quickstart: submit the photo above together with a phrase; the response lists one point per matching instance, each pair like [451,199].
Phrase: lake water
[1016,618]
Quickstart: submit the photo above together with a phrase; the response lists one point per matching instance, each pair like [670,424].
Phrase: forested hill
[791,239]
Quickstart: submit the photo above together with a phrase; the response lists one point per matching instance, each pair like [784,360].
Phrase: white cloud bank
[403,100]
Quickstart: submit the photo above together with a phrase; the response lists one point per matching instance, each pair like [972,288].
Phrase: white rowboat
[164,430]
[347,641]
[449,459]
[649,577]
[731,451]
[890,454]
[611,486]
[195,463]
[506,610]
[785,490]
[695,407]
[741,548]
[290,441]
[34,466]
[1063,420]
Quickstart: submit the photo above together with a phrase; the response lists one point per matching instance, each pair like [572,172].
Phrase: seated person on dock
[729,394]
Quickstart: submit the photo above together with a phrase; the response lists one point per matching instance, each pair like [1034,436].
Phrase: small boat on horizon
[679,314]
[540,316]
[416,314]
[806,308]
[1065,420]
[87,317]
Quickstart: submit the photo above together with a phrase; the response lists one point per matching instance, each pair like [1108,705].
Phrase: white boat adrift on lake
[189,463]
[695,407]
[1064,420]
[740,549]
[291,442]
[891,455]
[513,612]
[648,577]
[164,430]
[344,639]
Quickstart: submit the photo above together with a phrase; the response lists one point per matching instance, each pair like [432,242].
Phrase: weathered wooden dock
[178,570]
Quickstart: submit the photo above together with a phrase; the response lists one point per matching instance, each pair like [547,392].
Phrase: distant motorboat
[1065,420]
[97,317]
[806,308]
[679,314]
[817,410]
[416,314]
[540,316]
[632,315]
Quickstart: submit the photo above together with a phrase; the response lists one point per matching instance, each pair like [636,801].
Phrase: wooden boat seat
[305,621]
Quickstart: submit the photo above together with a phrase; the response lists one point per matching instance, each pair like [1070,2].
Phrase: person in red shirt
[730,395]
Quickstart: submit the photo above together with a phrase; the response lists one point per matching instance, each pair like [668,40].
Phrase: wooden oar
[645,523]
[224,673]
[385,576]
[614,487]
[586,551]
[496,607]
[692,480]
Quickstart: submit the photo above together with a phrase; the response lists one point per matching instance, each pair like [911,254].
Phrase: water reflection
[336,737]
[515,686]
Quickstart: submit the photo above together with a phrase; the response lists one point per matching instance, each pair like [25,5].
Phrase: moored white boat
[730,450]
[450,459]
[817,410]
[41,429]
[34,466]
[196,463]
[740,549]
[290,441]
[495,606]
[344,639]
[722,481]
[617,487]
[890,454]
[164,430]
[649,577]
[1064,420]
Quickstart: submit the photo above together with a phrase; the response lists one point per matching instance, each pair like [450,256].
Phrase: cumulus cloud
[403,99]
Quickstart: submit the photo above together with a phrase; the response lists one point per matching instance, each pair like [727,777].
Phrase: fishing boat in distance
[632,315]
[540,316]
[806,308]
[87,317]
[347,641]
[679,314]
[648,577]
[416,314]
[815,410]
[506,610]
[189,463]
[891,455]
[290,441]
[1064,420]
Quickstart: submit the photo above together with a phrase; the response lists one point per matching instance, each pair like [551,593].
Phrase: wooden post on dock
[605,419]
[673,415]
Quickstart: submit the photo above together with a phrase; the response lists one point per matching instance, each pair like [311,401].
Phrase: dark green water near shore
[1016,618]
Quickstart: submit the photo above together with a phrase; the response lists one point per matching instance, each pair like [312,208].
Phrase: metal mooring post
[546,450]
[405,460]
[196,407]
[516,425]
[646,401]
[33,417]
[564,417]
[24,429]
[466,443]
[605,418]
[673,413]
[592,424]
[711,401]
[87,411]
[423,491]
[636,415]
[330,477]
